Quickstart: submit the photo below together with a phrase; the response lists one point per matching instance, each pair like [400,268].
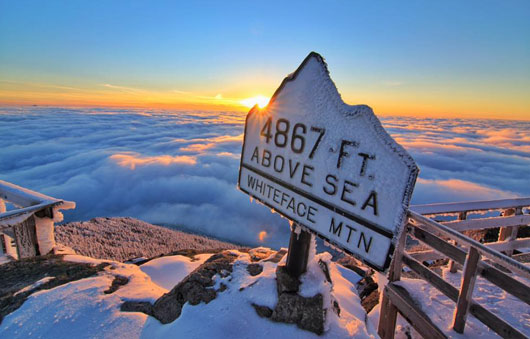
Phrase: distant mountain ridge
[125,238]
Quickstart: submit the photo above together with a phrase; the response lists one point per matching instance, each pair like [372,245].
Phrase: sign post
[298,252]
[327,166]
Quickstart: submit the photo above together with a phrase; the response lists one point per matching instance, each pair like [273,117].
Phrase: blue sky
[413,58]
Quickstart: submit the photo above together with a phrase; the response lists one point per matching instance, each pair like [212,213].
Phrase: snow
[84,260]
[15,220]
[231,314]
[166,272]
[440,308]
[34,285]
[80,309]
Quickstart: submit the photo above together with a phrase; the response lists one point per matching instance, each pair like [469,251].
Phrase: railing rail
[27,200]
[477,259]
[472,206]
[31,224]
[495,256]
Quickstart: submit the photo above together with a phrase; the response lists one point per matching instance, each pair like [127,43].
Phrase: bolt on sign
[328,166]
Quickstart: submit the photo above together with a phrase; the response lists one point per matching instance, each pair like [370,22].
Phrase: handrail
[21,196]
[490,253]
[29,209]
[29,201]
[457,207]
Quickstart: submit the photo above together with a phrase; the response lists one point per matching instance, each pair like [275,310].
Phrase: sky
[180,168]
[429,59]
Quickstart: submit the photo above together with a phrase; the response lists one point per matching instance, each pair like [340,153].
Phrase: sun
[259,100]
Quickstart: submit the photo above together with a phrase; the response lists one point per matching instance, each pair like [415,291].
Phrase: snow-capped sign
[328,166]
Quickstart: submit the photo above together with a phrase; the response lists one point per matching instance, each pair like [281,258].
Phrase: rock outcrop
[197,287]
[307,313]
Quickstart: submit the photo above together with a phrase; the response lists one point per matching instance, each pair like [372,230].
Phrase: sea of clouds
[180,168]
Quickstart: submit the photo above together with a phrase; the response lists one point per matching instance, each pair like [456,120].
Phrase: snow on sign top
[328,166]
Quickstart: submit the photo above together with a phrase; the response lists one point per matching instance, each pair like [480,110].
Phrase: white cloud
[180,168]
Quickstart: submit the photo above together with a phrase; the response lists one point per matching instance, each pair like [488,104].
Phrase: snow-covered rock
[89,308]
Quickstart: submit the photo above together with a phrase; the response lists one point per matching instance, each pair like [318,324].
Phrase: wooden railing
[477,259]
[512,217]
[31,223]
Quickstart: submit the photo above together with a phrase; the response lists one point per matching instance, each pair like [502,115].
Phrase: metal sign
[328,166]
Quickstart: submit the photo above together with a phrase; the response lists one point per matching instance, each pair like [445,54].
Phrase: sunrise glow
[259,100]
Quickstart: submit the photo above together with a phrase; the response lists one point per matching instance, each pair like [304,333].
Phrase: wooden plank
[505,282]
[509,245]
[486,223]
[434,279]
[494,275]
[506,232]
[509,233]
[470,206]
[21,196]
[387,319]
[497,246]
[498,325]
[467,286]
[489,319]
[394,273]
[497,257]
[26,238]
[15,213]
[422,256]
[400,298]
[2,244]
[439,245]
[388,312]
[452,263]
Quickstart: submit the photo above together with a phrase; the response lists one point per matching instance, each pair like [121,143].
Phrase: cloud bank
[180,168]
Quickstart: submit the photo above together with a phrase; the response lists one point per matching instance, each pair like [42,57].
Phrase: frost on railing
[496,262]
[476,218]
[28,229]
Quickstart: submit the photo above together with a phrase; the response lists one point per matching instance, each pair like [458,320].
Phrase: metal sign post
[298,253]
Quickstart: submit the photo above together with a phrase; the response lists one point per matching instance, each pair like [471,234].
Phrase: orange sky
[384,102]
[435,59]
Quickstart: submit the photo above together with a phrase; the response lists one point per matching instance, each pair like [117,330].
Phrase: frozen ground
[180,168]
[80,309]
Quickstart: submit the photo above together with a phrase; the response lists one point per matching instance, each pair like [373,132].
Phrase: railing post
[509,233]
[467,285]
[388,313]
[452,263]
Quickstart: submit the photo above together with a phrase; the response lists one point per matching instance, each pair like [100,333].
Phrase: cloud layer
[180,168]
